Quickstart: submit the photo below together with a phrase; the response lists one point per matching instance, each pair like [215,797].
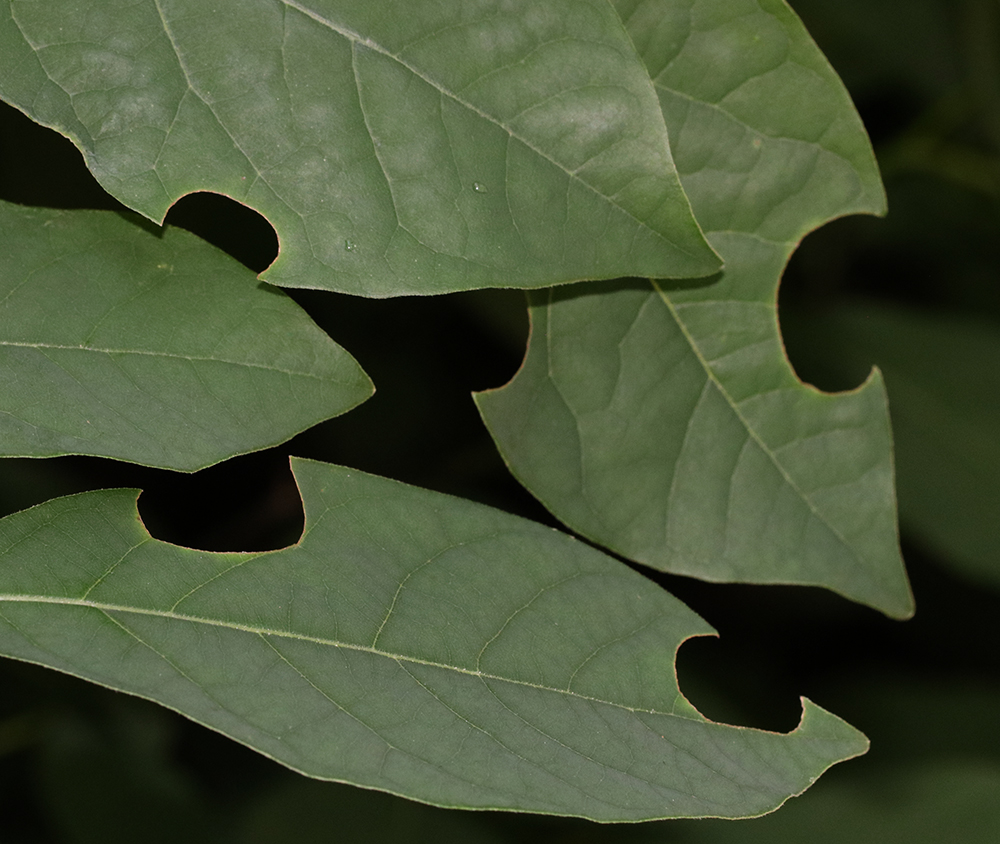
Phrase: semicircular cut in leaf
[667,424]
[410,642]
[438,147]
[153,348]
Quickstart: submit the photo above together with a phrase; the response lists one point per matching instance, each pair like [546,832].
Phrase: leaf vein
[751,431]
[357,38]
[105,608]
[157,354]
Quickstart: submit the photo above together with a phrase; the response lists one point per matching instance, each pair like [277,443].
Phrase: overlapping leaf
[410,642]
[667,424]
[157,349]
[442,147]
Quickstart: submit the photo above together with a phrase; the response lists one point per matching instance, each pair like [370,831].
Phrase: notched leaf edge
[831,739]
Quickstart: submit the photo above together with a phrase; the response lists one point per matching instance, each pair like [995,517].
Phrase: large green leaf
[667,424]
[420,149]
[153,348]
[410,642]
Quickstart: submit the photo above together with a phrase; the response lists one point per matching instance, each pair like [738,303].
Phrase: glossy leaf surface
[667,424]
[449,147]
[410,642]
[153,348]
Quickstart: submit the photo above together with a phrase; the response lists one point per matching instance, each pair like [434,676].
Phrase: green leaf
[667,424]
[943,381]
[410,642]
[153,348]
[440,149]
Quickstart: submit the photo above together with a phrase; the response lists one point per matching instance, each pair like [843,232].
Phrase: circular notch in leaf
[156,349]
[438,147]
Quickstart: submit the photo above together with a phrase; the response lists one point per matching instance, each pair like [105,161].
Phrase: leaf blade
[305,674]
[704,454]
[393,154]
[157,350]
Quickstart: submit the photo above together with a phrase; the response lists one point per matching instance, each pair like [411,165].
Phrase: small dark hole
[234,228]
[249,503]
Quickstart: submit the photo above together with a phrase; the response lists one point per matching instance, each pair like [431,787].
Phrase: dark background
[81,764]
